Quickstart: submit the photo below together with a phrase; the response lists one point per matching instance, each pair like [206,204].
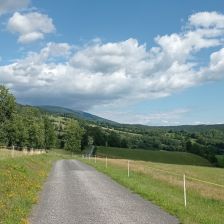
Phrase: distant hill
[188,128]
[125,127]
[196,128]
[74,113]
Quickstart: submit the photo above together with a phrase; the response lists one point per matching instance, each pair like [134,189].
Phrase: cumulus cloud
[30,26]
[207,19]
[7,6]
[124,72]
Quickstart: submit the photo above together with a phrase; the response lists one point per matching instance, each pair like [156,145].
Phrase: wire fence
[185,181]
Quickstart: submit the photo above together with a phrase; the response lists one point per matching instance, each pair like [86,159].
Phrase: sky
[140,62]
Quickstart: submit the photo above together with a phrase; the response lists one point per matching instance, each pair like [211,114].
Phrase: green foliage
[73,136]
[36,135]
[96,133]
[50,136]
[113,139]
[16,132]
[205,151]
[7,104]
[31,124]
[26,126]
[220,160]
[7,109]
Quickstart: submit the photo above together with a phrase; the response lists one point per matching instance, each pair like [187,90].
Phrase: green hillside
[182,158]
[74,113]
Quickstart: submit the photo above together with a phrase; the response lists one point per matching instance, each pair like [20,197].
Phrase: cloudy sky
[148,62]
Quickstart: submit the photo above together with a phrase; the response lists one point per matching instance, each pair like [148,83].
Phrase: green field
[162,183]
[183,158]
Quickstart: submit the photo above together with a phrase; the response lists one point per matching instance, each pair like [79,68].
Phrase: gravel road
[76,193]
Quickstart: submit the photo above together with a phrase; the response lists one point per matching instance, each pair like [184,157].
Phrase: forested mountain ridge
[90,117]
[74,113]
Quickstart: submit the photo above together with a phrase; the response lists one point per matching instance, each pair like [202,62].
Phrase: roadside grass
[170,157]
[21,179]
[205,203]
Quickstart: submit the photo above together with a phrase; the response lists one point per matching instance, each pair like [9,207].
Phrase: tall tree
[73,136]
[7,104]
[7,109]
[50,136]
[36,135]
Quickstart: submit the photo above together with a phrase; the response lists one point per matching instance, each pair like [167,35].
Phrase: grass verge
[21,180]
[167,191]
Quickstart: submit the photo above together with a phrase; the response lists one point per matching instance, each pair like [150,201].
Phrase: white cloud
[217,62]
[107,74]
[207,19]
[48,53]
[30,26]
[215,69]
[7,6]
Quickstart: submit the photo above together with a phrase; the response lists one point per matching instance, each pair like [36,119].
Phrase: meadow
[170,157]
[162,183]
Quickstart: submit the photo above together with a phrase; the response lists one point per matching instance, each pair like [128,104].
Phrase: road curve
[75,193]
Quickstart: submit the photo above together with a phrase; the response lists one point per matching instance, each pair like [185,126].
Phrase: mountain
[125,127]
[74,113]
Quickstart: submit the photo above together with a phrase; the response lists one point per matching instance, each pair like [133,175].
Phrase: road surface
[75,193]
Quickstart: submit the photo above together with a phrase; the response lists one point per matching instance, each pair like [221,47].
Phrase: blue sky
[148,62]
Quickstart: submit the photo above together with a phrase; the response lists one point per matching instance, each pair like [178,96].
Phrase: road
[77,193]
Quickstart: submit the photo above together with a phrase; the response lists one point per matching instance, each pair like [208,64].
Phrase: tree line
[206,143]
[26,127]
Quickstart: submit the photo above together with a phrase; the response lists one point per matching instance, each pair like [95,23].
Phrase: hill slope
[182,158]
[74,113]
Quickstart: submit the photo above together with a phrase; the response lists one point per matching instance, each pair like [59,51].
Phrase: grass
[21,179]
[6,154]
[183,158]
[162,183]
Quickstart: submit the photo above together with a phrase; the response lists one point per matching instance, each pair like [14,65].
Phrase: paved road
[76,193]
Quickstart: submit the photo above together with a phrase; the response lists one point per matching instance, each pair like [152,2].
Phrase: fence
[185,181]
[11,153]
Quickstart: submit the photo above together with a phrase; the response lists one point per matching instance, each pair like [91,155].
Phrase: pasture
[162,183]
[170,157]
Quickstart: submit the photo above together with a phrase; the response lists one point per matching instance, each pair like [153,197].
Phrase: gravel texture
[77,193]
